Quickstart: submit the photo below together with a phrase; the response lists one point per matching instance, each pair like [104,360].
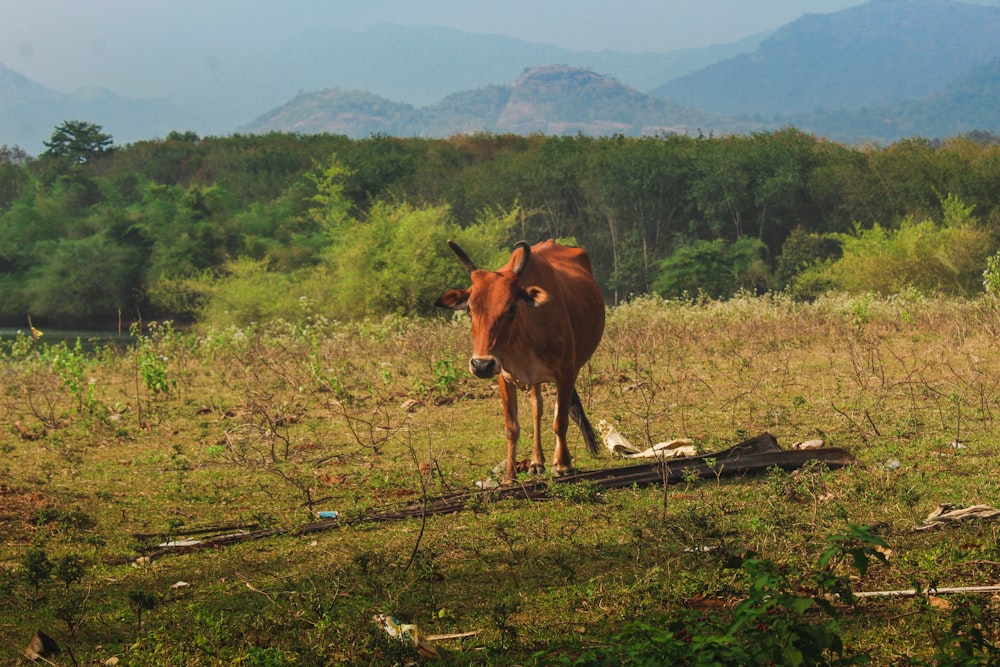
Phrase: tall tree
[79,141]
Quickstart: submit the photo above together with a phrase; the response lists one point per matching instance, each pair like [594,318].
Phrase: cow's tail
[580,418]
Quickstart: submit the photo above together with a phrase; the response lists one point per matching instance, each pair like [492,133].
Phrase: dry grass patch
[108,453]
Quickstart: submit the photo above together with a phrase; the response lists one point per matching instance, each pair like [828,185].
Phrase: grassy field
[106,454]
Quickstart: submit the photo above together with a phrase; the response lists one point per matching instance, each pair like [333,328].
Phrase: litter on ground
[949,514]
[619,446]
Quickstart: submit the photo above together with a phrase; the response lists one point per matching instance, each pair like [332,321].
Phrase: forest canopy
[231,230]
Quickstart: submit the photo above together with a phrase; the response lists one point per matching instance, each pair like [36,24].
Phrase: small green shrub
[36,568]
[781,621]
[991,275]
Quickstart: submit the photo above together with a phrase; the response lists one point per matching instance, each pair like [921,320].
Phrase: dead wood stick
[459,635]
[198,530]
[757,454]
[910,592]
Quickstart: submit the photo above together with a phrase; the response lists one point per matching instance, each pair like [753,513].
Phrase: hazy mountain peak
[549,99]
[875,56]
[869,55]
[96,94]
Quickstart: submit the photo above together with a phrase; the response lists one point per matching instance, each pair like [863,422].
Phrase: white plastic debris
[180,584]
[179,544]
[809,444]
[701,549]
[487,484]
[619,445]
[616,443]
[671,449]
[405,632]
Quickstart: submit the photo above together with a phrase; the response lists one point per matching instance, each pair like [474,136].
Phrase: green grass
[266,426]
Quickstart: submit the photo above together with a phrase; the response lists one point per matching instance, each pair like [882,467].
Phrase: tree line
[247,227]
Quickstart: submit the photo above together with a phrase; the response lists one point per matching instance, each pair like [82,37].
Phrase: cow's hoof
[537,469]
[565,472]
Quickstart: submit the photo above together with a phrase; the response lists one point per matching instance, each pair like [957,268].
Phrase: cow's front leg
[537,408]
[563,463]
[512,429]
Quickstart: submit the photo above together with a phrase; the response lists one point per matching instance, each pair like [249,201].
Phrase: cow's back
[567,275]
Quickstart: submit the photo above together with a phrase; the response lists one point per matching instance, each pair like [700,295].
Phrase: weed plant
[107,454]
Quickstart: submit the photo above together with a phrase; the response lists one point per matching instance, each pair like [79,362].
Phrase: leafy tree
[245,292]
[803,250]
[722,189]
[14,177]
[398,261]
[638,187]
[910,178]
[843,190]
[186,211]
[191,229]
[78,141]
[780,168]
[991,275]
[330,206]
[714,268]
[84,281]
[13,155]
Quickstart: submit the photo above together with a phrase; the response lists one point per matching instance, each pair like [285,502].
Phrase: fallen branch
[948,514]
[457,635]
[754,455]
[910,592]
[200,530]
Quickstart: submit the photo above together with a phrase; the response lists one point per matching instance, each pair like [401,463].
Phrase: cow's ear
[456,299]
[535,296]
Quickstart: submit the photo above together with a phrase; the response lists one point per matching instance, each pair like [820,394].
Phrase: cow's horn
[525,256]
[462,257]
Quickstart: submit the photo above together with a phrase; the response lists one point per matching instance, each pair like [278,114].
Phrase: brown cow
[536,319]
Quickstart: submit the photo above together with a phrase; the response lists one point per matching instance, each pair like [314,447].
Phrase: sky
[65,43]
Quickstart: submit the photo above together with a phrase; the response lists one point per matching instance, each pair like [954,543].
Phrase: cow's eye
[511,311]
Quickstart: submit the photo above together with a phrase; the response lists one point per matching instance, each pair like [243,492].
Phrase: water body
[89,338]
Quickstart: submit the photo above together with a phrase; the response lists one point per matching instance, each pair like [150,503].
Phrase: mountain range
[874,72]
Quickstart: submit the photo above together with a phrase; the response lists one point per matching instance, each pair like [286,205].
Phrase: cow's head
[493,301]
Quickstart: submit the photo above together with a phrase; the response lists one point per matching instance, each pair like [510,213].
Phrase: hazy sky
[64,44]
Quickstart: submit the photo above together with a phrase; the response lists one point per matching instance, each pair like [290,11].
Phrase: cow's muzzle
[483,367]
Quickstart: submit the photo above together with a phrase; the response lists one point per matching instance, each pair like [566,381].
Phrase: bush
[397,261]
[714,268]
[247,292]
[947,258]
[991,275]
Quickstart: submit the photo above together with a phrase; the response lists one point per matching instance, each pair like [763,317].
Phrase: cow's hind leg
[537,409]
[563,462]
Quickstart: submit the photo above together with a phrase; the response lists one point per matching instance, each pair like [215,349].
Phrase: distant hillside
[561,100]
[554,99]
[872,55]
[421,65]
[875,72]
[29,112]
[970,103]
[352,113]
